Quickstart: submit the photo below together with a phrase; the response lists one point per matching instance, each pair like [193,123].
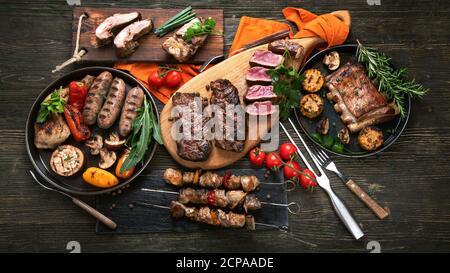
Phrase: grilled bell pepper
[74,119]
[77,94]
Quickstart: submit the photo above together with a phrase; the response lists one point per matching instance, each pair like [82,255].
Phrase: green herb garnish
[54,104]
[198,29]
[286,84]
[329,142]
[144,128]
[180,19]
[390,81]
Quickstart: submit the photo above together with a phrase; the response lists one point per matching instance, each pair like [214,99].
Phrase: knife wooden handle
[98,215]
[372,204]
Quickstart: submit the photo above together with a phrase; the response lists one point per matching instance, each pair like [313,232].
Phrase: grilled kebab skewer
[209,179]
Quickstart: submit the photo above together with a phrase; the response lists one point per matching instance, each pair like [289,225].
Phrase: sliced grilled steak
[190,148]
[111,26]
[280,46]
[358,101]
[266,58]
[181,50]
[259,93]
[126,41]
[225,94]
[261,108]
[258,75]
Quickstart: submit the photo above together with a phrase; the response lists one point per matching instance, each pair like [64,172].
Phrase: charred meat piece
[113,105]
[208,216]
[88,80]
[126,41]
[95,97]
[211,180]
[216,197]
[192,145]
[51,133]
[251,203]
[105,32]
[225,95]
[133,101]
[261,108]
[266,58]
[280,46]
[259,93]
[258,75]
[182,51]
[357,100]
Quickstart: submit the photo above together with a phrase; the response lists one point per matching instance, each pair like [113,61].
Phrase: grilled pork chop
[126,41]
[50,134]
[105,32]
[226,94]
[356,99]
[188,148]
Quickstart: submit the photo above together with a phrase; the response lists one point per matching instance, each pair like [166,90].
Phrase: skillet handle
[99,216]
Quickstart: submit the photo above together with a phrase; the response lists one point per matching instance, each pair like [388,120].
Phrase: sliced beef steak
[357,100]
[259,93]
[258,75]
[190,146]
[225,95]
[260,108]
[280,46]
[266,58]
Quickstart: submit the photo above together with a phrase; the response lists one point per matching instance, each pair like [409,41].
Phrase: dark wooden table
[412,177]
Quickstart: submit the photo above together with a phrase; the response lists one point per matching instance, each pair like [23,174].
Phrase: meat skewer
[209,179]
[210,216]
[224,199]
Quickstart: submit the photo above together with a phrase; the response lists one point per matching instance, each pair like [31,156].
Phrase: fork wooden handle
[98,215]
[372,204]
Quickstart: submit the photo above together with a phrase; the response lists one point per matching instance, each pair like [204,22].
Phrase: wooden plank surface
[411,178]
[150,49]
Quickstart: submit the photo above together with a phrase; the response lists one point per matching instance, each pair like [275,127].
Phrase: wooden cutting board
[150,46]
[233,69]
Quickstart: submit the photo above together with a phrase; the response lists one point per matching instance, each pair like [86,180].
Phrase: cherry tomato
[291,170]
[287,150]
[172,79]
[257,157]
[155,80]
[308,180]
[273,161]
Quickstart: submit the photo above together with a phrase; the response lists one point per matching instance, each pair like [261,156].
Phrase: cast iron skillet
[391,130]
[40,158]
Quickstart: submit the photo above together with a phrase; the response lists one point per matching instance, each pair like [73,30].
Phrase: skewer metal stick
[292,207]
[145,204]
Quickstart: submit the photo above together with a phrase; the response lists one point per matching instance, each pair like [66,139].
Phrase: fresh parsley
[145,127]
[54,104]
[199,28]
[286,84]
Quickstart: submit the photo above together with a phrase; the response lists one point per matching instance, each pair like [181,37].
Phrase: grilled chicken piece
[126,41]
[105,32]
[357,100]
[50,134]
[181,50]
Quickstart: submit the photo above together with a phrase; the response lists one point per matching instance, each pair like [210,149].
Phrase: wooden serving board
[233,69]
[150,49]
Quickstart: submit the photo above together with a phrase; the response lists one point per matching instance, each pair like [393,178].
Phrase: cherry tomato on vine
[287,150]
[257,157]
[308,180]
[172,79]
[273,161]
[291,170]
[155,80]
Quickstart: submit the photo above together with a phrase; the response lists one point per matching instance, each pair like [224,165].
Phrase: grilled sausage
[113,104]
[95,97]
[133,102]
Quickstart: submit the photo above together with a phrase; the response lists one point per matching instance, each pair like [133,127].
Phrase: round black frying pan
[40,158]
[391,130]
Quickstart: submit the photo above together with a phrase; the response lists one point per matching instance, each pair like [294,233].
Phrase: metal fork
[328,164]
[323,181]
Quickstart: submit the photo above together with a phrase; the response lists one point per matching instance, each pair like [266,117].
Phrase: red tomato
[291,170]
[308,180]
[257,157]
[155,80]
[287,150]
[273,161]
[172,79]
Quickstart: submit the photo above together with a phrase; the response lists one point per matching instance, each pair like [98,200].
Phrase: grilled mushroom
[113,142]
[332,60]
[323,126]
[344,136]
[107,158]
[95,143]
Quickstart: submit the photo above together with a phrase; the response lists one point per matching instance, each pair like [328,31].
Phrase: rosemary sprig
[390,81]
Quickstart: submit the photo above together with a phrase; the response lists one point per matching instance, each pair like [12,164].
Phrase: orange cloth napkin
[327,26]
